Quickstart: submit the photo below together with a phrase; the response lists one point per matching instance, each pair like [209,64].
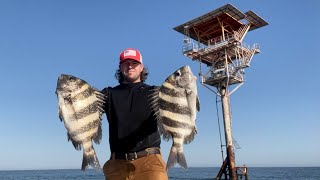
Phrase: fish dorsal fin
[154,104]
[101,99]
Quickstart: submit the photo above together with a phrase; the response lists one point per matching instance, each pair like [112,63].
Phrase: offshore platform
[215,39]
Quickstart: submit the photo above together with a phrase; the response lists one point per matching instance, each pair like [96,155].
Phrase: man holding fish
[133,134]
[137,112]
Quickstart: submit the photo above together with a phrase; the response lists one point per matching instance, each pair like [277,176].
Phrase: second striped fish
[176,104]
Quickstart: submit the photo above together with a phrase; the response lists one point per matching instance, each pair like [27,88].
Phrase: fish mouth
[63,76]
[61,82]
[187,67]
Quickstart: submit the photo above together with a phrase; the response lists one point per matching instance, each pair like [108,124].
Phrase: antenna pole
[228,130]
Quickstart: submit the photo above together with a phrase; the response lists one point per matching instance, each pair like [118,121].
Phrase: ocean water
[259,173]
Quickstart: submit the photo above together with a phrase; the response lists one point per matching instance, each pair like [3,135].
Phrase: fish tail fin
[90,159]
[172,157]
[176,156]
[182,160]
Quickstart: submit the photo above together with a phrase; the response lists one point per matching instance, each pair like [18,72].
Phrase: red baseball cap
[130,53]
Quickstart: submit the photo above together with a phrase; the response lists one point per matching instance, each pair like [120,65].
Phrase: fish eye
[177,73]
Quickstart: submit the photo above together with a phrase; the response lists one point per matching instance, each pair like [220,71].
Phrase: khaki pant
[151,167]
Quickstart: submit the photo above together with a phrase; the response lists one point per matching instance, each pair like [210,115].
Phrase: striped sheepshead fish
[176,104]
[81,108]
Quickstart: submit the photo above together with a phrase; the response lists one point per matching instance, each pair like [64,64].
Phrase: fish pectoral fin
[75,144]
[60,113]
[198,104]
[98,137]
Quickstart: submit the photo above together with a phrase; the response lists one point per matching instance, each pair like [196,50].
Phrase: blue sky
[275,114]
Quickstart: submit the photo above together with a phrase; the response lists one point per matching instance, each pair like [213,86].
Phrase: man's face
[131,70]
